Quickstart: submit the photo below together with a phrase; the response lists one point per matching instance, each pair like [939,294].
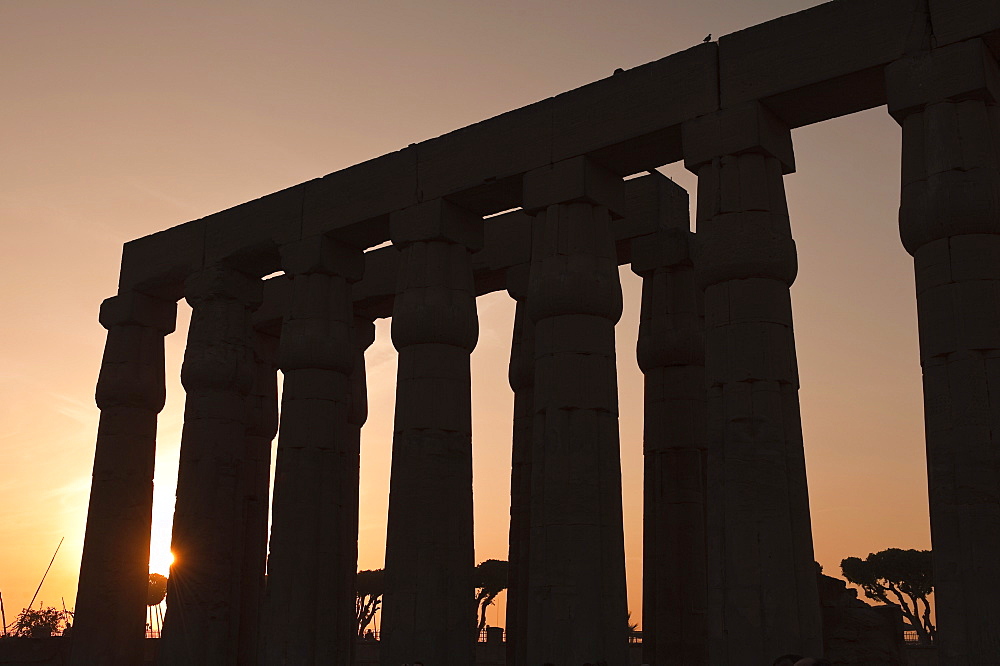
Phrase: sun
[160,556]
[159,562]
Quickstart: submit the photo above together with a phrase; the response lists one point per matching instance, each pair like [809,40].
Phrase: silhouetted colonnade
[728,574]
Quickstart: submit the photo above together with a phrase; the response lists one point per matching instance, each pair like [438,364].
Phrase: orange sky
[124,118]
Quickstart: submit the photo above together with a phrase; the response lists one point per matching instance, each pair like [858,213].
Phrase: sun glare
[160,563]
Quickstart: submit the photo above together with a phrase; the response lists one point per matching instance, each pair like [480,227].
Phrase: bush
[39,623]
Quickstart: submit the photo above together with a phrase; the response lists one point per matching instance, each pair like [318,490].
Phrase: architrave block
[748,128]
[960,71]
[247,237]
[572,181]
[159,263]
[438,219]
[958,20]
[322,254]
[832,53]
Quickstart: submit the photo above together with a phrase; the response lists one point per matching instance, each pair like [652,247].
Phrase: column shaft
[428,613]
[111,597]
[576,578]
[364,336]
[310,616]
[671,355]
[206,579]
[763,598]
[949,219]
[262,425]
[522,382]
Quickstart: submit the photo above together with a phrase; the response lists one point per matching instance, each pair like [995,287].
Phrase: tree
[157,589]
[491,579]
[632,628]
[39,623]
[906,575]
[369,586]
[156,592]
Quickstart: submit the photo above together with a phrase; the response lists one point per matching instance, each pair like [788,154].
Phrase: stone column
[261,427]
[671,354]
[522,381]
[576,577]
[949,219]
[111,598]
[428,613]
[310,616]
[204,591]
[763,599]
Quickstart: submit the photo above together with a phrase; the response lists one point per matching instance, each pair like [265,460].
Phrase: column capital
[957,72]
[436,220]
[217,283]
[435,297]
[665,248]
[747,128]
[516,280]
[364,333]
[576,180]
[323,254]
[137,309]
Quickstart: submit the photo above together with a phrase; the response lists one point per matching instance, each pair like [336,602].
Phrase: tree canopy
[902,578]
[156,590]
[491,579]
[31,623]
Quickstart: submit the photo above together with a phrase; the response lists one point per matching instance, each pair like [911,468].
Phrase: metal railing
[372,636]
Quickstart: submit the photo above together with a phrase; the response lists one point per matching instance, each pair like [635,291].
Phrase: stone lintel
[323,254]
[134,308]
[437,219]
[361,192]
[247,237]
[159,263]
[807,67]
[223,283]
[958,20]
[966,70]
[748,128]
[507,243]
[667,247]
[652,202]
[812,65]
[579,179]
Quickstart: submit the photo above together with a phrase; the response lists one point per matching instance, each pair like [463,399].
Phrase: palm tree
[633,627]
[369,585]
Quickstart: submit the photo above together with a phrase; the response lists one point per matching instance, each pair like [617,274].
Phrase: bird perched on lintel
[708,39]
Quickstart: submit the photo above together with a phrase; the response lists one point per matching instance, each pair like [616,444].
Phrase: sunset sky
[124,118]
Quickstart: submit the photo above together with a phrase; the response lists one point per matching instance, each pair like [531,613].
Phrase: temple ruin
[728,574]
